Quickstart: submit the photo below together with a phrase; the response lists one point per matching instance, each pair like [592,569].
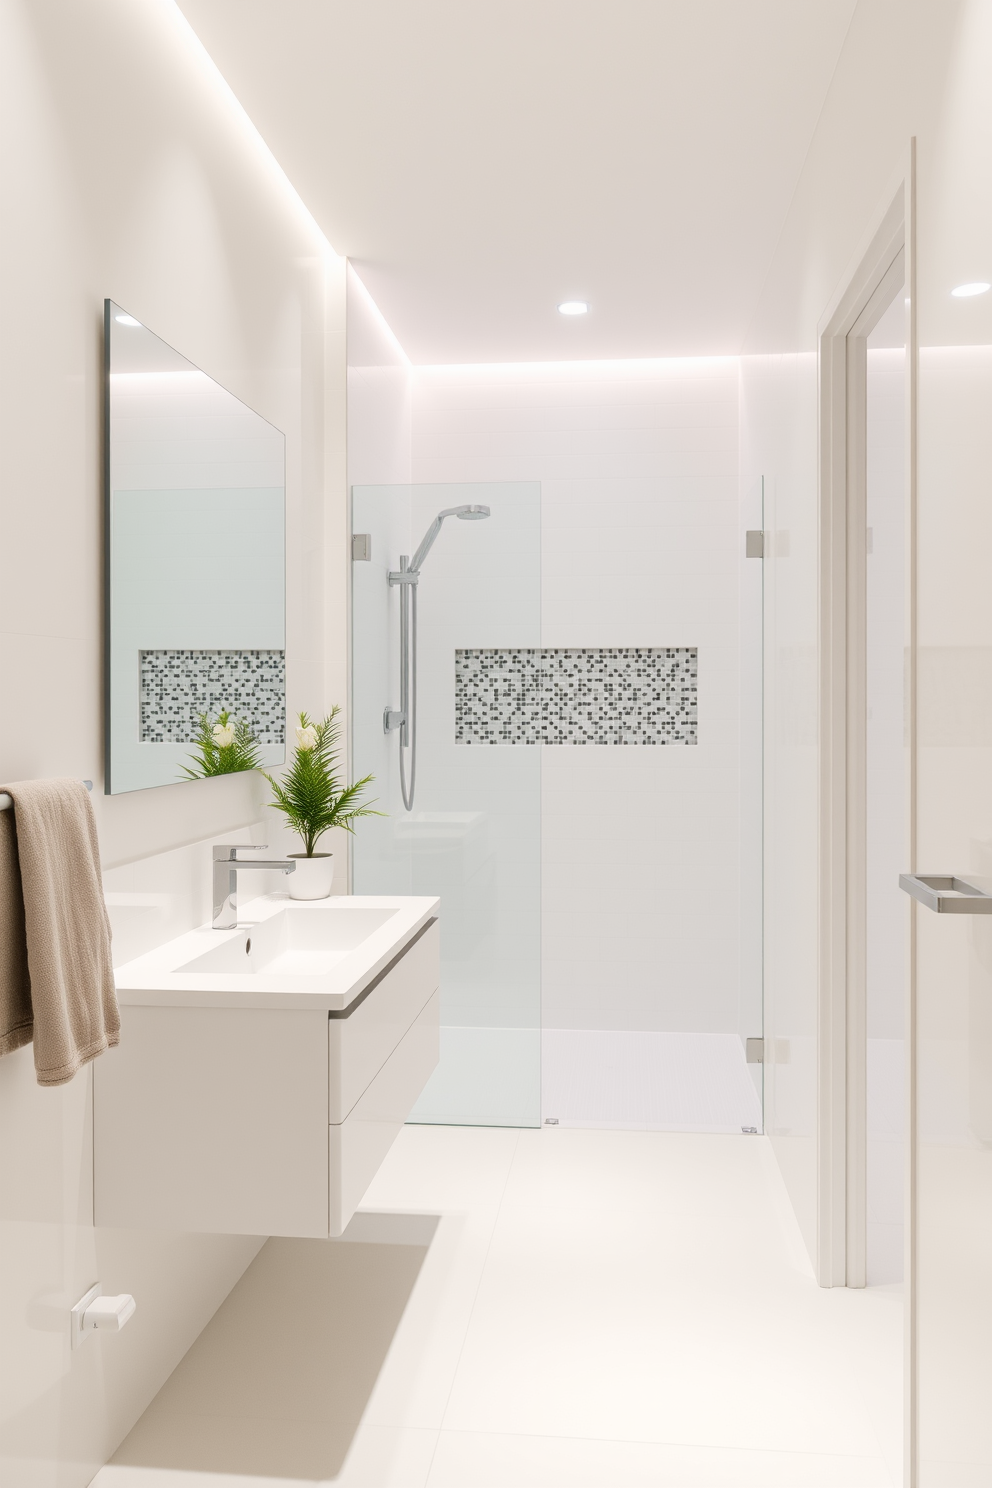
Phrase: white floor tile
[415,1383]
[277,1383]
[638,1287]
[468,1460]
[384,1457]
[608,1308]
[381,1457]
[116,1476]
[449,1169]
[460,1174]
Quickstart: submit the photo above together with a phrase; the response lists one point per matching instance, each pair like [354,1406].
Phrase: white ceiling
[482,160]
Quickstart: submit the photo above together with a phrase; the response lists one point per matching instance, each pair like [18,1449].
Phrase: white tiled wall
[638,467]
[135,176]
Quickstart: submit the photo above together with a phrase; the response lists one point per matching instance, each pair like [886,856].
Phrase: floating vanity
[264,1072]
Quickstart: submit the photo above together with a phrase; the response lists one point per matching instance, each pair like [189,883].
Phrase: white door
[952,1287]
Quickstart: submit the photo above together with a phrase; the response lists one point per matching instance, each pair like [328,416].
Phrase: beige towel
[15,988]
[67,933]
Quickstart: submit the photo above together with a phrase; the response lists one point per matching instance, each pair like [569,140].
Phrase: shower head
[464,513]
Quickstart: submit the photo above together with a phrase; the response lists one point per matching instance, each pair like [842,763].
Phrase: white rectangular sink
[284,953]
[293,944]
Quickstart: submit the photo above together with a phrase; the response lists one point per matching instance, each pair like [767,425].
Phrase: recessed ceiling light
[573,307]
[126,320]
[965,291]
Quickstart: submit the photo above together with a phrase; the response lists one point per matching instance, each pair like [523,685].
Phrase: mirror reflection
[196,520]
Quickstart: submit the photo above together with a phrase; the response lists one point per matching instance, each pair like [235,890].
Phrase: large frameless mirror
[196,570]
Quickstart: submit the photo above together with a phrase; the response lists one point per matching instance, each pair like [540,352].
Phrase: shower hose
[408,690]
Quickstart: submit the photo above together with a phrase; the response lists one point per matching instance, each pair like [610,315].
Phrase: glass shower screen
[473,835]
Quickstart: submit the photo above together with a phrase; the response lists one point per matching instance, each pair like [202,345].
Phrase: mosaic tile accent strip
[601,695]
[177,686]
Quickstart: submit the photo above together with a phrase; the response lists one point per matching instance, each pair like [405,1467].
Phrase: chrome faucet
[226,866]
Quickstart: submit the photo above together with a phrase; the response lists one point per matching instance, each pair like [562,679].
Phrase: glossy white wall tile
[638,469]
[135,176]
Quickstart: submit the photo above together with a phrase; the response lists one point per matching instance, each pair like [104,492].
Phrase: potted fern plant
[313,800]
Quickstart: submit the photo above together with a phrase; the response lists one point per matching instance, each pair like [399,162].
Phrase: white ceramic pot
[313,876]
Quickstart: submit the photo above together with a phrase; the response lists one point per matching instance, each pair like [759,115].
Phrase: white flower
[306,738]
[223,737]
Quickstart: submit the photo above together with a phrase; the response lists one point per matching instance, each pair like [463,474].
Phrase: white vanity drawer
[362,1038]
[212,1119]
[360,1142]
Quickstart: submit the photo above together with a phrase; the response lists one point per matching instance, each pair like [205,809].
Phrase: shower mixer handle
[392,718]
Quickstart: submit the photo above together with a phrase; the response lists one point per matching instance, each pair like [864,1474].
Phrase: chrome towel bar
[945,894]
[6,802]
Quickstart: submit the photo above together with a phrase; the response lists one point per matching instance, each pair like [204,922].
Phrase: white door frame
[887,250]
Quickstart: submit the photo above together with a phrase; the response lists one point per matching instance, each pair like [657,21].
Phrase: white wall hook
[94,1310]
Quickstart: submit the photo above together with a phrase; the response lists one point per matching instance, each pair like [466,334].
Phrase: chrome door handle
[945,894]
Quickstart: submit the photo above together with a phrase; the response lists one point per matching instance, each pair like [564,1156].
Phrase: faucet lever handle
[227,852]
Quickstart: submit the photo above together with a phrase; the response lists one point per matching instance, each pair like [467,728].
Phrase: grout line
[705,1449]
[475,1298]
[678,1443]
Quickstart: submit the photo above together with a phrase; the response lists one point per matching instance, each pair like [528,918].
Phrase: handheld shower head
[464,513]
[407,577]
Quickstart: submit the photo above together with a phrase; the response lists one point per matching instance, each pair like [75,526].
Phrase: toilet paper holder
[94,1310]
